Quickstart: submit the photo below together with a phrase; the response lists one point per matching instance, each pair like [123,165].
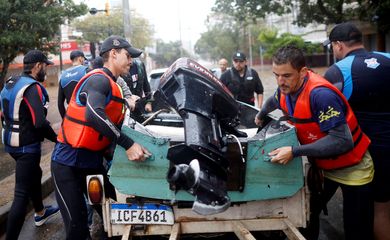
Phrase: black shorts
[381,183]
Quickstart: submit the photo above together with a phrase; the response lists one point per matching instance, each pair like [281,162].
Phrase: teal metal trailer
[264,180]
[274,197]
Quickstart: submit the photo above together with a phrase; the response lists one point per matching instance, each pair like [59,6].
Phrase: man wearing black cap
[91,124]
[329,136]
[363,77]
[243,81]
[137,81]
[69,78]
[23,114]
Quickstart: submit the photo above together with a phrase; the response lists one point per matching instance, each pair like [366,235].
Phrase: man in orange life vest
[90,125]
[330,137]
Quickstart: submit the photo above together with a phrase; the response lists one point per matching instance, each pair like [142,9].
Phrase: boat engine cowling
[209,112]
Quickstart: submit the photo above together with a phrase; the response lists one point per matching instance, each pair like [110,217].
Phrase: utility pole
[61,60]
[126,19]
[179,19]
[250,46]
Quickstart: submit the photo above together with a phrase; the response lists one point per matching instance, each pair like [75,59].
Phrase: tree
[217,43]
[96,28]
[244,11]
[30,24]
[223,37]
[168,53]
[272,43]
[312,11]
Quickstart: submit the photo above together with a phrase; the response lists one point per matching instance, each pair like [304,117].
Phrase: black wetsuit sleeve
[146,86]
[270,105]
[38,113]
[94,95]
[61,101]
[224,77]
[259,89]
[147,90]
[337,141]
[334,75]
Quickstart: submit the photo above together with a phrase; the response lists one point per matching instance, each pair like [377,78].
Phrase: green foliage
[271,43]
[333,12]
[250,10]
[310,11]
[168,53]
[267,38]
[377,12]
[29,24]
[217,43]
[96,28]
[221,40]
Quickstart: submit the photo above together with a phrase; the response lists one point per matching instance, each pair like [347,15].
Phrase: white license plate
[141,214]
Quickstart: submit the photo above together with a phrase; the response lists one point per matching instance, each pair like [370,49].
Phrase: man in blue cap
[24,103]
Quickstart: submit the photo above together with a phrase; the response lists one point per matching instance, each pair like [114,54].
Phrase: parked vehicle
[209,171]
[154,77]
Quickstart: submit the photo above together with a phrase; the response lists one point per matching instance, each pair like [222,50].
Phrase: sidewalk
[7,190]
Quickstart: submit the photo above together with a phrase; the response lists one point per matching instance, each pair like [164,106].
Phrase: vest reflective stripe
[15,132]
[309,131]
[76,131]
[345,67]
[383,54]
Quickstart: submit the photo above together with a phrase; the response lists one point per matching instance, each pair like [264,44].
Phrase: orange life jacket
[76,132]
[308,130]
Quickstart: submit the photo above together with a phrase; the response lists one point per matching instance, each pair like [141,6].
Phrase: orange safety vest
[76,132]
[308,130]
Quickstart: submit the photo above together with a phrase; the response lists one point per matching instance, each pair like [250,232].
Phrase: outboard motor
[209,112]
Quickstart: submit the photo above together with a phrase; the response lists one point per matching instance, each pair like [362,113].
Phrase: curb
[47,189]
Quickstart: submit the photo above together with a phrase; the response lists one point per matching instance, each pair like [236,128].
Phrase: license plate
[147,213]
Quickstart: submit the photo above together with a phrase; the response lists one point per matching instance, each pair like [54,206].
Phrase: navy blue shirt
[364,79]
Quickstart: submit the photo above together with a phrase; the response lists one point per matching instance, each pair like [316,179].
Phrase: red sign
[69,46]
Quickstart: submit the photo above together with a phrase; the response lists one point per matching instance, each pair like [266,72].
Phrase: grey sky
[168,15]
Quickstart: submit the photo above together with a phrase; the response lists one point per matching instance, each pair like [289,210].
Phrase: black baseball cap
[239,56]
[117,42]
[76,53]
[36,56]
[344,32]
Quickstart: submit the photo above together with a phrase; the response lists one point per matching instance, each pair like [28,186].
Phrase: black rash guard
[38,113]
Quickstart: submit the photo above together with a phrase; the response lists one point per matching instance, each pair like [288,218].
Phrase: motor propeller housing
[209,113]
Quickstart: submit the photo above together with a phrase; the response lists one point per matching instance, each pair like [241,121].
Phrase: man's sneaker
[49,213]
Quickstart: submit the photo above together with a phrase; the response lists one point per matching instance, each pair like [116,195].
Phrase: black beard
[41,75]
